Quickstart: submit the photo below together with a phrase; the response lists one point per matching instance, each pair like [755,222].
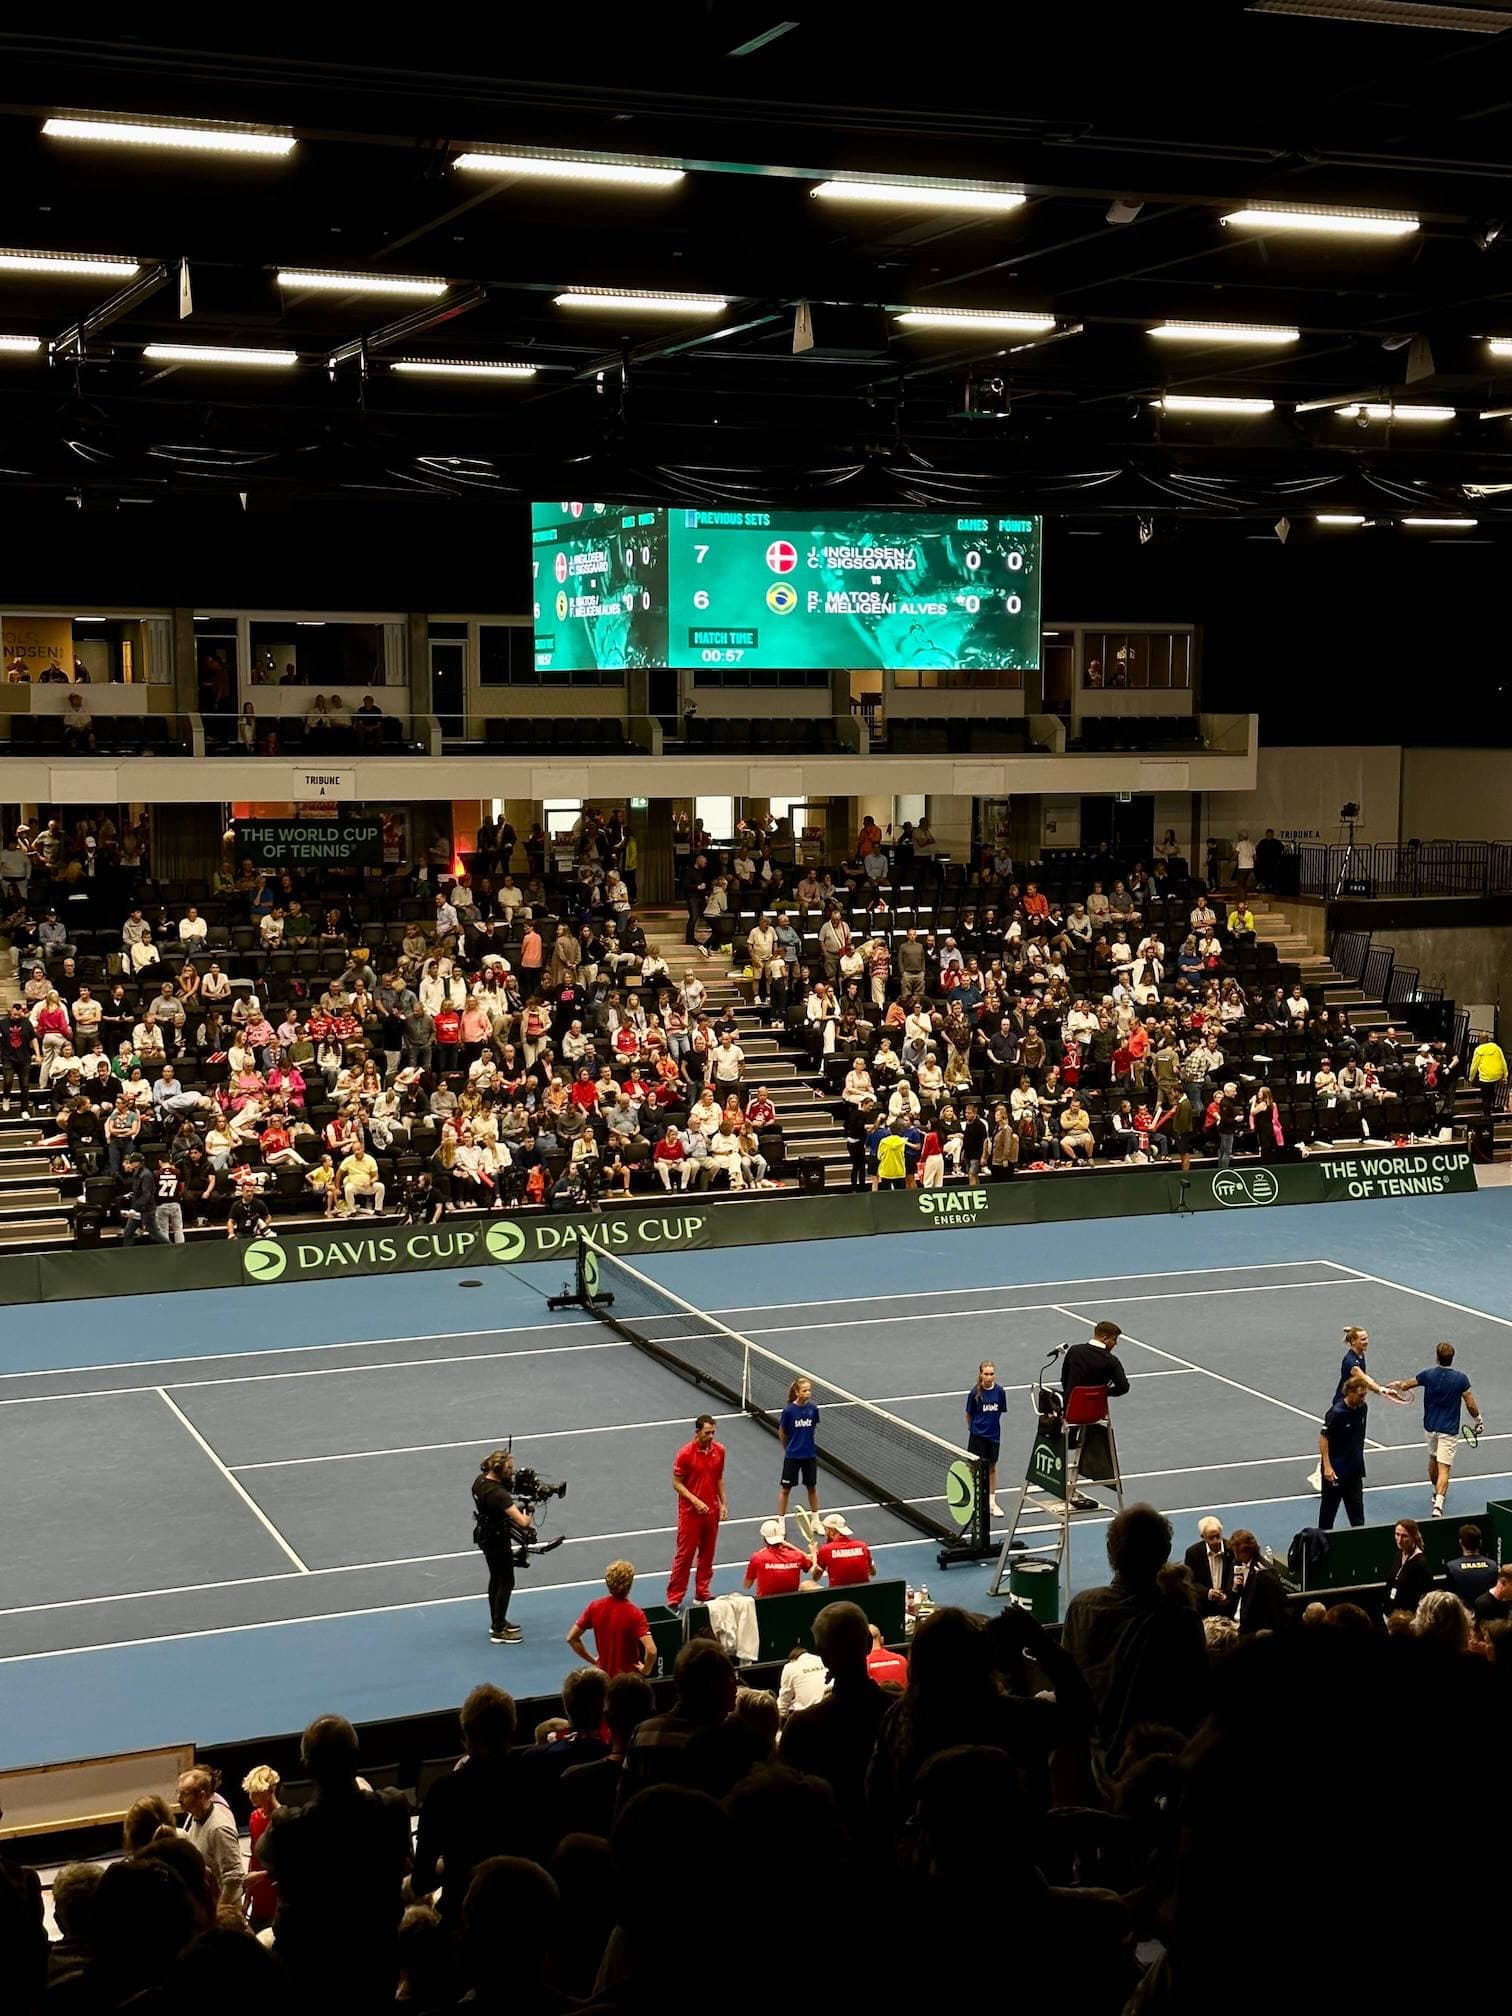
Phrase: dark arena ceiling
[1102,151]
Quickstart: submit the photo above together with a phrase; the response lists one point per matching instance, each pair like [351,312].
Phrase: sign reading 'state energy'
[772,590]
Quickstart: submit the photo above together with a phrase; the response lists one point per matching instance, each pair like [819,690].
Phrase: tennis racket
[1472,1431]
[807,1523]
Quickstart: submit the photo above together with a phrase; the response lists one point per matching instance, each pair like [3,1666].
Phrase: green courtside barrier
[786,1621]
[639,1232]
[667,1635]
[1358,1555]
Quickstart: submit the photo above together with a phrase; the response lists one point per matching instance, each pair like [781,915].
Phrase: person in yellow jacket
[1488,1069]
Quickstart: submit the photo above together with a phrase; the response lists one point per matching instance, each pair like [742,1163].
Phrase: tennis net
[909,1471]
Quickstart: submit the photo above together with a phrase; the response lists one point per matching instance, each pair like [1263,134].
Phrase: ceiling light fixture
[1335,223]
[978,196]
[446,367]
[641,301]
[1375,411]
[1223,332]
[24,344]
[1018,322]
[212,353]
[625,172]
[1496,413]
[1441,524]
[1338,518]
[95,265]
[1194,402]
[1499,346]
[200,136]
[316,282]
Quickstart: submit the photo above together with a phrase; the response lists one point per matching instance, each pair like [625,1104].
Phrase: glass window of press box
[506,657]
[67,649]
[1138,661]
[308,651]
[955,678]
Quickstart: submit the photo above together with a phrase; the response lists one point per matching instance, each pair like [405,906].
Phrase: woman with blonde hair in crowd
[261,1787]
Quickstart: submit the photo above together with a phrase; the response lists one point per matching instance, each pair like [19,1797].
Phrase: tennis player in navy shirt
[800,1456]
[986,1404]
[1445,1391]
[1341,1451]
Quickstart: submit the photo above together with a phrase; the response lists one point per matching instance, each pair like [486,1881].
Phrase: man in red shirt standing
[621,1636]
[776,1568]
[841,1557]
[698,1480]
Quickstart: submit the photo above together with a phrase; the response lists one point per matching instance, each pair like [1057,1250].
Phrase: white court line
[471,1442]
[240,1489]
[1235,1505]
[1423,1295]
[404,1561]
[617,1427]
[289,1350]
[1012,1287]
[596,1582]
[1222,1378]
[505,1330]
[1018,1308]
[321,1372]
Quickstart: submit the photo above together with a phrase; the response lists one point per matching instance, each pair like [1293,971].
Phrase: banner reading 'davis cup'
[643,1232]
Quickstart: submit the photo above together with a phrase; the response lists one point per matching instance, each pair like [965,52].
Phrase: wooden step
[36,1232]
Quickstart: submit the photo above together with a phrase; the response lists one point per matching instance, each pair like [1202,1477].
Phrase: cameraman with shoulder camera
[496,1521]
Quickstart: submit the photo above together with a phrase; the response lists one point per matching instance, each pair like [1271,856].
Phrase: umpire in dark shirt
[1341,1447]
[495,1521]
[1093,1363]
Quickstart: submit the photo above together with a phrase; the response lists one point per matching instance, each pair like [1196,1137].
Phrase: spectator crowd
[1103,1810]
[502,1034]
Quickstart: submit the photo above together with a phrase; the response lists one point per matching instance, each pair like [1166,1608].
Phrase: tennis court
[228,1511]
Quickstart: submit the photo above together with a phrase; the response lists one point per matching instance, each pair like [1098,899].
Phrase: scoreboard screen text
[773,590]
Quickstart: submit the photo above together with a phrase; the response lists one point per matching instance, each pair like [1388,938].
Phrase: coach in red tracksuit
[698,1480]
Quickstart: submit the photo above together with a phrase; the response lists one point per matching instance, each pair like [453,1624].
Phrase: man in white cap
[776,1568]
[840,1556]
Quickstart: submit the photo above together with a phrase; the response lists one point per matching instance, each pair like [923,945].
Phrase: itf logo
[1245,1186]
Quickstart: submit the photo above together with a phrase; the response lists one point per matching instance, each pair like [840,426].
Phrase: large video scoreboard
[771,590]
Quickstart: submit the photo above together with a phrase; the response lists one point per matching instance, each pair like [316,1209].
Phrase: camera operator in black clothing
[496,1520]
[1093,1363]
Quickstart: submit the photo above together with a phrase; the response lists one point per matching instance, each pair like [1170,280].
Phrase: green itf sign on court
[1047,1465]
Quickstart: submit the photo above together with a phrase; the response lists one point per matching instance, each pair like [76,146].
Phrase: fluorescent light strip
[1441,524]
[627,173]
[316,282]
[25,344]
[1381,412]
[1333,223]
[96,265]
[642,301]
[1338,518]
[267,141]
[1496,413]
[1499,346]
[211,353]
[1194,402]
[1019,322]
[439,367]
[1222,332]
[982,196]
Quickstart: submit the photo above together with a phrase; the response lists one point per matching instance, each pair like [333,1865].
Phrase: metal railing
[1429,868]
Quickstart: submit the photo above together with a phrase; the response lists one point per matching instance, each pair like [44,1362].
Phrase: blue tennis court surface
[227,1511]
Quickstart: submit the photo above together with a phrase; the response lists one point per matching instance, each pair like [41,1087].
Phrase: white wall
[1456,794]
[1299,791]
